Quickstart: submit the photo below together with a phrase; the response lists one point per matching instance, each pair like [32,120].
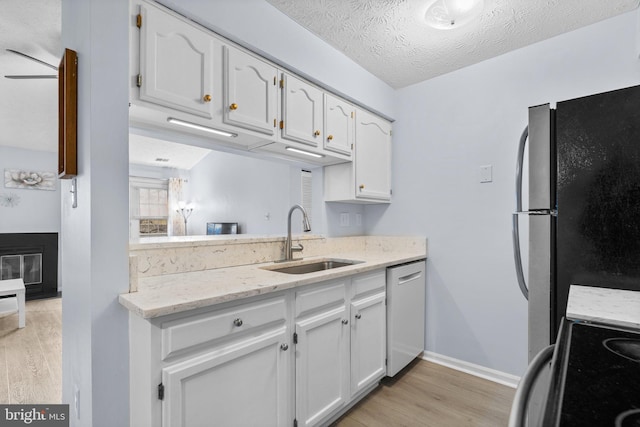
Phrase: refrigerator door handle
[515,228]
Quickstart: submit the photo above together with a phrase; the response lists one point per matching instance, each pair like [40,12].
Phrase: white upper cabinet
[338,125]
[301,111]
[250,92]
[373,157]
[368,178]
[176,60]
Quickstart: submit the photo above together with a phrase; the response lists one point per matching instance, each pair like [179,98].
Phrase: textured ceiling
[391,39]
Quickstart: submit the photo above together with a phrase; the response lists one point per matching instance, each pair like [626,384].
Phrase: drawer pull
[358,316]
[237,322]
[284,347]
[345,321]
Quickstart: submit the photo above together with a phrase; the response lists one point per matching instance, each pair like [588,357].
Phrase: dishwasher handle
[409,277]
[518,415]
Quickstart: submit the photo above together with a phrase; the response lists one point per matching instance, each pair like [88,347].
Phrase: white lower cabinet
[242,383]
[368,341]
[299,357]
[322,352]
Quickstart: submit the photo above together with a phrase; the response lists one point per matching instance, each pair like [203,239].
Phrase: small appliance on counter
[214,228]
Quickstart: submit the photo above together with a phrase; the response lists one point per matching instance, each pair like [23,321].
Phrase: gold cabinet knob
[361,187]
[317,133]
[233,106]
[330,137]
[206,98]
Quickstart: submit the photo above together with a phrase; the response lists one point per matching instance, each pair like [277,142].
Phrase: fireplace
[32,257]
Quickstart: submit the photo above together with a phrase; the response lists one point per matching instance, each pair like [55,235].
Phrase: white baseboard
[473,369]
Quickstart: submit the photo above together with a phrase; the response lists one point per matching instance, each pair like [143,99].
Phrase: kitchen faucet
[288,248]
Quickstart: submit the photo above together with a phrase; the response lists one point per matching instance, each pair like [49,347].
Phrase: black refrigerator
[584,203]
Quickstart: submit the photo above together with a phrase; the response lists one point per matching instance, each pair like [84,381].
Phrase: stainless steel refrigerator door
[539,283]
[540,207]
[540,158]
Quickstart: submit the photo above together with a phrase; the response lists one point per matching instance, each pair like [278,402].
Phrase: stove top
[598,375]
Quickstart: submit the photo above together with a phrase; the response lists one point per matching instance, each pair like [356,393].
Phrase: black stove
[595,377]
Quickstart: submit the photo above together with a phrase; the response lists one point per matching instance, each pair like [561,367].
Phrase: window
[149,206]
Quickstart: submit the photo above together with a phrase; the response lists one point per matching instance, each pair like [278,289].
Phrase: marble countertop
[604,305]
[173,293]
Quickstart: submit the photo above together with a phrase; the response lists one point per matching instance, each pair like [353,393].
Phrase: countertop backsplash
[170,255]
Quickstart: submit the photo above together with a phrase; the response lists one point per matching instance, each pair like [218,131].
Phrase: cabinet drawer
[369,283]
[182,334]
[320,296]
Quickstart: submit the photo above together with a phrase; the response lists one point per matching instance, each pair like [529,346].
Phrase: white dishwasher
[406,287]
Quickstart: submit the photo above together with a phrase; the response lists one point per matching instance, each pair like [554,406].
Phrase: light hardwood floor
[31,357]
[424,394]
[428,394]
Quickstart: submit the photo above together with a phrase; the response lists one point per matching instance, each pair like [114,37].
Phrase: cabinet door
[338,124]
[250,99]
[322,365]
[368,341]
[372,157]
[176,60]
[239,384]
[301,111]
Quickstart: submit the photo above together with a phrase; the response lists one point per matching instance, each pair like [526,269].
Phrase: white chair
[11,305]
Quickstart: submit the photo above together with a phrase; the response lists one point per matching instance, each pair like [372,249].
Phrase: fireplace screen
[27,266]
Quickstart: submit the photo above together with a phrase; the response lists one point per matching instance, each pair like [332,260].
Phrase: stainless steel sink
[311,267]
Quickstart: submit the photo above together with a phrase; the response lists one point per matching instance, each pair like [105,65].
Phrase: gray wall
[38,210]
[95,341]
[447,128]
[257,193]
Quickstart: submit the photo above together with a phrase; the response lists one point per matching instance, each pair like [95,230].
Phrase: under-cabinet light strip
[200,127]
[307,153]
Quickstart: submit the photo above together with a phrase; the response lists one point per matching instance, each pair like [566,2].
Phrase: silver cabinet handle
[518,415]
[284,347]
[515,229]
[358,316]
[345,321]
[237,322]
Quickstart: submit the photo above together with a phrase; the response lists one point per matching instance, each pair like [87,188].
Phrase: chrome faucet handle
[297,248]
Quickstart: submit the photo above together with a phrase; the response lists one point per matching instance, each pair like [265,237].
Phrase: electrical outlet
[358,220]
[344,219]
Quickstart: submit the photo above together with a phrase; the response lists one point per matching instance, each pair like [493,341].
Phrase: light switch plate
[486,173]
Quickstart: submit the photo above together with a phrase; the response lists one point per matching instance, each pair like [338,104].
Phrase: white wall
[38,210]
[446,128]
[227,187]
[95,342]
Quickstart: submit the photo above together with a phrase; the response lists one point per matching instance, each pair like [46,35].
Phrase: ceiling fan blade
[24,55]
[35,76]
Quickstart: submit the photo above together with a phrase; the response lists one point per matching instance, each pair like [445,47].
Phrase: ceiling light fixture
[449,14]
[306,153]
[200,127]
